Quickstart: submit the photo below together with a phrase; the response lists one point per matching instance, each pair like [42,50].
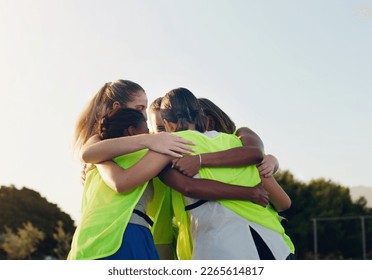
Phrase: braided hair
[116,122]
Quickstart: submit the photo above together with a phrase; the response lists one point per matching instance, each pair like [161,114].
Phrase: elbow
[87,158]
[289,204]
[113,184]
[189,192]
[260,155]
[285,205]
[118,185]
[84,156]
[242,131]
[255,155]
[185,189]
[178,182]
[119,188]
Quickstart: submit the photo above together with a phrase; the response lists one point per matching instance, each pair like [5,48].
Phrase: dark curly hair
[116,122]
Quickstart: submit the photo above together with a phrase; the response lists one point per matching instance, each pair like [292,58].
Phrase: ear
[116,105]
[131,130]
[169,126]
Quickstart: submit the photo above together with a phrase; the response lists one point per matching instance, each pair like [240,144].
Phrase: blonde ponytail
[122,91]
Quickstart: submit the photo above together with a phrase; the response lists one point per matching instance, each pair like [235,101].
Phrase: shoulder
[94,139]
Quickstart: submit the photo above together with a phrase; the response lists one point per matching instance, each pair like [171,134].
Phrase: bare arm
[277,196]
[249,137]
[234,157]
[250,153]
[269,164]
[191,165]
[210,189]
[125,180]
[95,150]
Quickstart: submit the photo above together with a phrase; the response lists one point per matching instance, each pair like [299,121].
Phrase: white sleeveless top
[142,206]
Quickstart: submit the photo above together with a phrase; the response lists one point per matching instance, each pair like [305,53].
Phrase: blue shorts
[137,244]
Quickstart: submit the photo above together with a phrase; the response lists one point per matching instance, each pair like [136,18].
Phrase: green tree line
[320,198]
[33,228]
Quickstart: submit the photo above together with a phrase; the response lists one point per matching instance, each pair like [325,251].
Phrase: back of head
[155,119]
[116,123]
[181,107]
[155,105]
[121,91]
[222,122]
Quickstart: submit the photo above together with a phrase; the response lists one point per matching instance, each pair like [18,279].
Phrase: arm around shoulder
[210,189]
[250,138]
[97,150]
[124,180]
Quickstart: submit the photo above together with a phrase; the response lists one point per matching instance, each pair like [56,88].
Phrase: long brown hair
[222,122]
[180,106]
[122,91]
[155,105]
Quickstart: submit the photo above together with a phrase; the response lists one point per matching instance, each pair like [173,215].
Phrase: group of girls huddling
[195,188]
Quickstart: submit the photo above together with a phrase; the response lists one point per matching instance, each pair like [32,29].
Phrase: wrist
[144,140]
[200,161]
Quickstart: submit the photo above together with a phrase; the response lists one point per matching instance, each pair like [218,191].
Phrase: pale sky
[296,72]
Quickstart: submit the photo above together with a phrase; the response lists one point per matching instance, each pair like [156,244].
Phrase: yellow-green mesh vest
[243,176]
[160,211]
[105,214]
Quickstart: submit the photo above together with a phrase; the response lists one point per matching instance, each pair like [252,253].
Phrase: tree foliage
[41,230]
[337,239]
[20,245]
[63,240]
[20,206]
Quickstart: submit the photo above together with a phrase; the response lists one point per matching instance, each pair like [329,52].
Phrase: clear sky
[297,72]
